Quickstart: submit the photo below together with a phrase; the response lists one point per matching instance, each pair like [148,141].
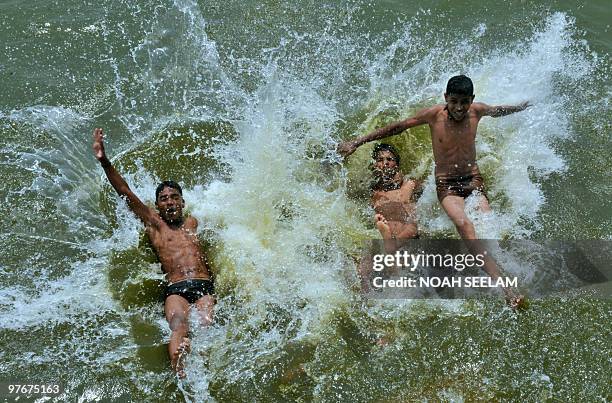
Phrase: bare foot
[178,361]
[383,226]
[514,301]
[383,341]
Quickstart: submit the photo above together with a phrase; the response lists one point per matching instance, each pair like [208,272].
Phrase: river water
[243,104]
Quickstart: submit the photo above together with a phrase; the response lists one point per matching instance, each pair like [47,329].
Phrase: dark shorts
[461,186]
[191,290]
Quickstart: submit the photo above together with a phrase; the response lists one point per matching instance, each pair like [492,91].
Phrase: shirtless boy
[174,239]
[392,195]
[453,134]
[393,200]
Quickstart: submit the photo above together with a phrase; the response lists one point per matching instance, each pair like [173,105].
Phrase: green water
[243,103]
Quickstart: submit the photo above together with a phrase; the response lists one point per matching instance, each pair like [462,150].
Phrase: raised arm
[501,110]
[142,211]
[346,148]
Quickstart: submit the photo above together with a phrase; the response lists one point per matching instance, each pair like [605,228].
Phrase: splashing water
[248,120]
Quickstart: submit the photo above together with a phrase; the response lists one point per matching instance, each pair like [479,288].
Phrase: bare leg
[408,231]
[483,204]
[205,307]
[515,301]
[455,209]
[177,311]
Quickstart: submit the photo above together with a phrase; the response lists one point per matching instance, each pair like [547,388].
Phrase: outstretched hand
[98,144]
[525,105]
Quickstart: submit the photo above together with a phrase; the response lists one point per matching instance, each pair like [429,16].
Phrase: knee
[178,321]
[205,318]
[462,223]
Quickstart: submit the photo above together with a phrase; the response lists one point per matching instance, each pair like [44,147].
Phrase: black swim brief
[191,290]
[461,185]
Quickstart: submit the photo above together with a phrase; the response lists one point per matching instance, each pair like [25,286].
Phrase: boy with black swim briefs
[453,134]
[174,239]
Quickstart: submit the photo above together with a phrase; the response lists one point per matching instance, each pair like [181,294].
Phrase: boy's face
[385,160]
[458,105]
[170,204]
[385,166]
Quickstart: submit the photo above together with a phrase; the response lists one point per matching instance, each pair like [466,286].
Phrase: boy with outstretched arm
[453,129]
[174,239]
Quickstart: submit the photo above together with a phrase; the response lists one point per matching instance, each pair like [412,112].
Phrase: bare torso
[398,208]
[453,142]
[178,250]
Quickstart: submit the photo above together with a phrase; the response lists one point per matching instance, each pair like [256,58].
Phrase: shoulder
[191,221]
[409,183]
[429,113]
[413,188]
[153,219]
[414,183]
[480,108]
[155,224]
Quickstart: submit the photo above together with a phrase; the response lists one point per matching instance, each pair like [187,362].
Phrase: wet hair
[168,184]
[386,147]
[460,85]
